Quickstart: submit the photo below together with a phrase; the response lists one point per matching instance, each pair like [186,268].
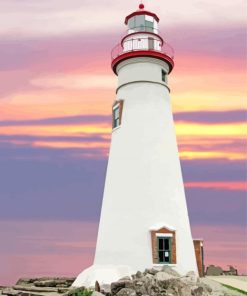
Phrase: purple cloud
[212,117]
[66,120]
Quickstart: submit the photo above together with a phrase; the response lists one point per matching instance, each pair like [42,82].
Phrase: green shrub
[80,292]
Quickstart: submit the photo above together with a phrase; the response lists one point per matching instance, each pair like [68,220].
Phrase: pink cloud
[65,248]
[224,245]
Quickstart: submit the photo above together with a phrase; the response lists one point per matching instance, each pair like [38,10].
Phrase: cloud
[78,82]
[59,17]
[214,206]
[212,117]
[197,117]
[57,248]
[65,120]
[242,186]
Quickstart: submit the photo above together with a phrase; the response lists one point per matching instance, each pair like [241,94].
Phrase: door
[164,250]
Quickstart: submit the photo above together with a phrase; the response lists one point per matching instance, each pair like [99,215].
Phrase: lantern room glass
[142,23]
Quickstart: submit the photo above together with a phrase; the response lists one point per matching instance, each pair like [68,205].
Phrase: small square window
[163,75]
[117,114]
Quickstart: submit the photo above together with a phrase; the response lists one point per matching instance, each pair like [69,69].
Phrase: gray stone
[198,292]
[190,278]
[163,276]
[34,289]
[126,292]
[151,271]
[117,286]
[95,293]
[105,288]
[214,270]
[97,287]
[170,271]
[10,291]
[185,291]
[138,274]
[125,278]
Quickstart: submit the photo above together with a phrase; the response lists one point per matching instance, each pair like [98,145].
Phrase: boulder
[97,287]
[117,286]
[34,289]
[125,278]
[95,293]
[105,289]
[10,292]
[198,292]
[151,271]
[170,271]
[163,276]
[126,292]
[190,278]
[138,275]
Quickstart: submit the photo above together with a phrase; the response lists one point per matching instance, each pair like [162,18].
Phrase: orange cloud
[218,185]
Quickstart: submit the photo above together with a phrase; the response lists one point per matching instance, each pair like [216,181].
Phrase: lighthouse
[144,219]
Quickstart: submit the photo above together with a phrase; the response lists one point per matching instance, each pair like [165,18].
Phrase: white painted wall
[144,185]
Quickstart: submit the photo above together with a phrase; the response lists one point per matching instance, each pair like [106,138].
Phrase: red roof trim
[142,53]
[148,33]
[141,12]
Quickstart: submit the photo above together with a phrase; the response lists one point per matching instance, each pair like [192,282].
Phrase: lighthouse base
[104,274]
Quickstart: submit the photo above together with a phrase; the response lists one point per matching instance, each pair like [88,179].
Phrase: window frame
[163,75]
[164,250]
[117,121]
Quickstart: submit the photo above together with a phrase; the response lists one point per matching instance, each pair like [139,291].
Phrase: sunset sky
[56,93]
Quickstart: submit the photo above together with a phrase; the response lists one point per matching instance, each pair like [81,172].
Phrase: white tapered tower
[144,219]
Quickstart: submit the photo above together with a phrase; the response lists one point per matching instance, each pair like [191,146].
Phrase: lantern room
[142,21]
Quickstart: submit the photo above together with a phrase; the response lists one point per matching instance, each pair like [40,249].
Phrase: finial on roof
[141,6]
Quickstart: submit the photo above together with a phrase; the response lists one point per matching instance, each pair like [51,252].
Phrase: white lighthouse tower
[144,219]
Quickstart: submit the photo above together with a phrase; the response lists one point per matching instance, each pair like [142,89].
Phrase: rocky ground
[151,282]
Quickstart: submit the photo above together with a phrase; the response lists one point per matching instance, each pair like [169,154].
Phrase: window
[164,249]
[117,113]
[163,75]
[116,118]
[141,23]
[150,43]
[149,26]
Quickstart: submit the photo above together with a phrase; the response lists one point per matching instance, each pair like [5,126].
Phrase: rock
[95,293]
[122,283]
[139,274]
[190,278]
[10,291]
[198,292]
[117,286]
[75,291]
[62,290]
[34,289]
[29,294]
[185,291]
[170,271]
[214,270]
[151,271]
[97,287]
[63,282]
[126,278]
[163,276]
[45,283]
[206,288]
[105,289]
[126,292]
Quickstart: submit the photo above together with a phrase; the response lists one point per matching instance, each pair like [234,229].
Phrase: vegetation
[80,292]
[235,289]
